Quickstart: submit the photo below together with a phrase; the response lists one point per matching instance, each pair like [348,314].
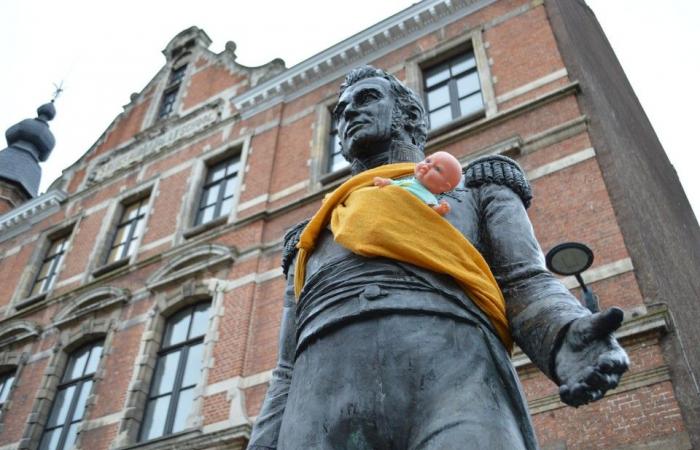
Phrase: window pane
[206,215]
[121,235]
[164,376]
[212,194]
[184,407]
[232,166]
[471,104]
[226,207]
[440,117]
[177,328]
[56,247]
[338,162]
[5,386]
[70,437]
[154,419]
[230,186]
[436,75]
[217,172]
[82,398]
[468,84]
[95,354]
[438,97]
[50,440]
[44,270]
[116,254]
[200,320]
[193,369]
[76,365]
[463,63]
[60,407]
[130,212]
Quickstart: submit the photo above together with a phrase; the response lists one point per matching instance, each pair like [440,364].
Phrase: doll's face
[439,172]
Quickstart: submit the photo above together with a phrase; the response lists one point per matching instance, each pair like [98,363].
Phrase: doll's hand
[443,208]
[379,181]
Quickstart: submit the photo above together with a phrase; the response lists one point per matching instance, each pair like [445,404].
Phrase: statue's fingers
[575,395]
[613,362]
[602,381]
[604,323]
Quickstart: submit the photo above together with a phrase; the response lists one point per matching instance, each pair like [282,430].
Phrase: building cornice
[30,212]
[383,37]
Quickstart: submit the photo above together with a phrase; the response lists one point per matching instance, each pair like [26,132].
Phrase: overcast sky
[104,51]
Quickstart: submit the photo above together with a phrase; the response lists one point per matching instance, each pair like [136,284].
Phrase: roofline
[371,43]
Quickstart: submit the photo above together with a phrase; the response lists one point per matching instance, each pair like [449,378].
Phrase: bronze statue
[377,353]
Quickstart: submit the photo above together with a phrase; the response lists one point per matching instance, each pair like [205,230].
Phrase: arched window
[71,396]
[177,372]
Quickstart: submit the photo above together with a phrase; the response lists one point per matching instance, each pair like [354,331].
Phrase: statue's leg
[469,397]
[411,381]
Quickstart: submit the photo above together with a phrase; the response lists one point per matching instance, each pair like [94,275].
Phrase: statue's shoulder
[501,170]
[289,249]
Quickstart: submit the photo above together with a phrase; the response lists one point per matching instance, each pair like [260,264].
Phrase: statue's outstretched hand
[590,361]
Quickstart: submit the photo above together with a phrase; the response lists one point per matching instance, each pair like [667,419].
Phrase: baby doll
[438,173]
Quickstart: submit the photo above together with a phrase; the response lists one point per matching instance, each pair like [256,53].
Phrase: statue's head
[374,108]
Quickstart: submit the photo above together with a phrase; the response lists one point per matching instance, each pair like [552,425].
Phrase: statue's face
[364,117]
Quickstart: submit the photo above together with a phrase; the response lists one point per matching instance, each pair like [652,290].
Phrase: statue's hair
[408,114]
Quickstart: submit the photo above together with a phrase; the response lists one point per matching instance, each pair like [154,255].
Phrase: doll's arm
[379,181]
[442,208]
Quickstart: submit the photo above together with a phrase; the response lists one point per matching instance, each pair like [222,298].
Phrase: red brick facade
[269,118]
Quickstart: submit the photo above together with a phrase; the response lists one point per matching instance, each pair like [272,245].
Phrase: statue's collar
[399,151]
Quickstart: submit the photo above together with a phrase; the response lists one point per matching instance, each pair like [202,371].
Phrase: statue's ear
[414,113]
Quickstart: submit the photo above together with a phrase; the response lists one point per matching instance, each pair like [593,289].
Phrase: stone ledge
[628,382]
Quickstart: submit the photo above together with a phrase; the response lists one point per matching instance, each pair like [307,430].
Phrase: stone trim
[67,228]
[599,273]
[470,39]
[188,208]
[532,85]
[11,362]
[24,216]
[89,302]
[229,438]
[97,265]
[396,31]
[458,129]
[137,395]
[628,382]
[192,261]
[16,331]
[560,164]
[69,340]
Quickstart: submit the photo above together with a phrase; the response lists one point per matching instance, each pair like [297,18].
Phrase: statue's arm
[573,347]
[267,426]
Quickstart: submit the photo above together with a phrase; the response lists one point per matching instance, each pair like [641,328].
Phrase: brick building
[140,296]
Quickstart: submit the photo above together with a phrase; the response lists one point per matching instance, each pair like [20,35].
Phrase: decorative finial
[57,91]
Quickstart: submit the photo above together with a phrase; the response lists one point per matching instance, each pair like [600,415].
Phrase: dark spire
[28,142]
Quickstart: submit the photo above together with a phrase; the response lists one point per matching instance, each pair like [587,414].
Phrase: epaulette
[497,169]
[289,249]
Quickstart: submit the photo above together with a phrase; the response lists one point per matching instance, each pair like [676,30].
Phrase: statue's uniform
[378,354]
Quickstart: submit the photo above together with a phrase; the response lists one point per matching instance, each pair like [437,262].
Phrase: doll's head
[439,172]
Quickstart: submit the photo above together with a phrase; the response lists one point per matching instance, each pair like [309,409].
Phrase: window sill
[26,303]
[199,229]
[110,267]
[328,178]
[164,442]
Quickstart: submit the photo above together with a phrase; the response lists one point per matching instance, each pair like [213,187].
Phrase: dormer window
[167,103]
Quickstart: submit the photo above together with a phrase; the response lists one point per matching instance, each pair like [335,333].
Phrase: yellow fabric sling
[391,222]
